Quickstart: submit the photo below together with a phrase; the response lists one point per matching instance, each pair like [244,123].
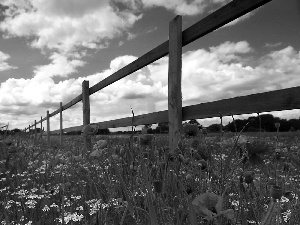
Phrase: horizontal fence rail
[285,99]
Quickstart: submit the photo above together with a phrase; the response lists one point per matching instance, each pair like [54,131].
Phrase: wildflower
[31,204]
[46,208]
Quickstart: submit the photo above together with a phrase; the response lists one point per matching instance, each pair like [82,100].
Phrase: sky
[48,47]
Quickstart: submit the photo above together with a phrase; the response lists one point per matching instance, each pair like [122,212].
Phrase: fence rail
[285,99]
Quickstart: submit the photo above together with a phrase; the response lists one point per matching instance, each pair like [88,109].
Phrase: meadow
[223,178]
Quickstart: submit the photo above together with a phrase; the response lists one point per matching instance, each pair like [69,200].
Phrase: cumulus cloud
[65,29]
[65,25]
[182,7]
[207,75]
[4,65]
[240,19]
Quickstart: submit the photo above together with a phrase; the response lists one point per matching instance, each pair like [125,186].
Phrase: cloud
[240,19]
[4,65]
[272,45]
[207,75]
[181,7]
[65,29]
[60,66]
[64,25]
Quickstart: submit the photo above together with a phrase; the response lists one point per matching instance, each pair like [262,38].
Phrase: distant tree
[295,123]
[267,122]
[239,124]
[16,130]
[214,128]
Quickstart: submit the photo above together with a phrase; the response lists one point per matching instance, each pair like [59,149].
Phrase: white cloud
[4,65]
[65,25]
[65,29]
[272,45]
[181,7]
[60,66]
[207,75]
[240,19]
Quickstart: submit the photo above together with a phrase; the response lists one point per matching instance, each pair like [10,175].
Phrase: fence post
[29,132]
[61,126]
[48,128]
[86,112]
[174,82]
[41,134]
[35,133]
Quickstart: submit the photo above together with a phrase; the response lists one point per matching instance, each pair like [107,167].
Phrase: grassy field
[248,178]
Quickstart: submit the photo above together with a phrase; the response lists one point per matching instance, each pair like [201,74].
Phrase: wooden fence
[284,99]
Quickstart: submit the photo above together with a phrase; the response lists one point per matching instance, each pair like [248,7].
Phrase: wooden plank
[220,17]
[174,82]
[61,126]
[48,128]
[41,128]
[86,112]
[35,133]
[217,19]
[285,99]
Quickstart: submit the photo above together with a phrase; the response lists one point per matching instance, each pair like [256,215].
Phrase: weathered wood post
[29,133]
[48,128]
[41,134]
[35,132]
[174,82]
[86,112]
[61,125]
